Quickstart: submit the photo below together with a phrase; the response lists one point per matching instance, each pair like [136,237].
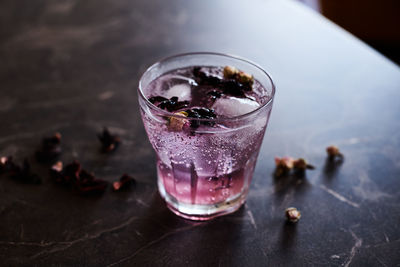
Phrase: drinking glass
[205,172]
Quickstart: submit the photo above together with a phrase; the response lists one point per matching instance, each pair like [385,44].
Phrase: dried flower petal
[215,94]
[176,124]
[283,165]
[200,113]
[75,176]
[109,142]
[4,164]
[157,99]
[286,162]
[173,104]
[333,152]
[87,183]
[58,166]
[230,72]
[85,177]
[24,174]
[97,186]
[234,88]
[292,214]
[202,78]
[301,164]
[245,78]
[56,172]
[124,182]
[71,172]
[230,85]
[50,149]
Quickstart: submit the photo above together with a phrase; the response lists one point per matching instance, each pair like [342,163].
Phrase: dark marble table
[73,66]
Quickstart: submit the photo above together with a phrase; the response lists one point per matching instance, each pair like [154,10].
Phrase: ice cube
[182,91]
[234,106]
[163,84]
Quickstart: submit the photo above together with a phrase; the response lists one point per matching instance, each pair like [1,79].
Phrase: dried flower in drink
[301,165]
[109,141]
[240,76]
[333,152]
[292,214]
[202,78]
[215,94]
[124,182]
[245,78]
[171,104]
[201,113]
[230,72]
[233,83]
[157,99]
[176,124]
[234,88]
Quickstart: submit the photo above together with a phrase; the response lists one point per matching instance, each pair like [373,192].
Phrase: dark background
[375,22]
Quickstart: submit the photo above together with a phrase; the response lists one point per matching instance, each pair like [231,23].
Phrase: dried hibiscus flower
[71,172]
[283,165]
[75,176]
[286,164]
[124,182]
[88,183]
[6,164]
[240,76]
[109,142]
[230,72]
[176,124]
[333,153]
[50,149]
[23,174]
[292,214]
[56,172]
[171,104]
[230,84]
[301,165]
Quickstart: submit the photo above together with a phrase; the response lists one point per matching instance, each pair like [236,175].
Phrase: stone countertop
[73,67]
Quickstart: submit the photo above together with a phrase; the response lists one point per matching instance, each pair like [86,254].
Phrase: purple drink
[206,124]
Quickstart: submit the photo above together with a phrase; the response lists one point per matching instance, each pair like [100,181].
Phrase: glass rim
[234,118]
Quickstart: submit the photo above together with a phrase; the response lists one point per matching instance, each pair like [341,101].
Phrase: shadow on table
[331,168]
[186,240]
[285,183]
[288,235]
[223,239]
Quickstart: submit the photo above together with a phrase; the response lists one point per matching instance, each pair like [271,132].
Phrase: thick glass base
[202,212]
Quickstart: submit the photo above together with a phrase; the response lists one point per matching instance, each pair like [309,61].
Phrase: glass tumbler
[205,172]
